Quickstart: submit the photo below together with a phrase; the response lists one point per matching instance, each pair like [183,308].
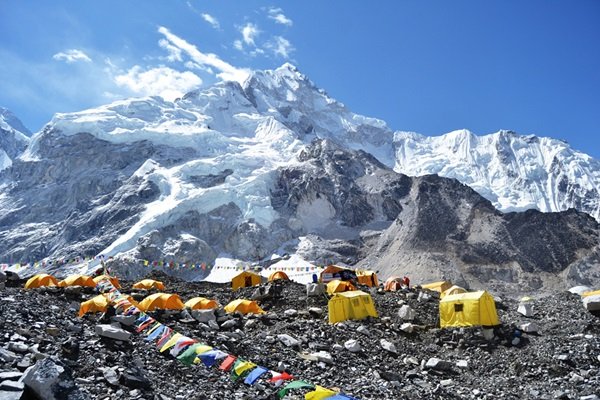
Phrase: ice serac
[514,172]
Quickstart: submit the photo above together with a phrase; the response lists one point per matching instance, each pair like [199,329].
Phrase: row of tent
[41,280]
[170,301]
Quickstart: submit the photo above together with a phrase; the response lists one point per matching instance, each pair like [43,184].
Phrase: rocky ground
[370,359]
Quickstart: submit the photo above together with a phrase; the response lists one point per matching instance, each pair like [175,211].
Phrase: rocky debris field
[46,351]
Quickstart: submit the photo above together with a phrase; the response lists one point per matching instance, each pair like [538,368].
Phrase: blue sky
[425,66]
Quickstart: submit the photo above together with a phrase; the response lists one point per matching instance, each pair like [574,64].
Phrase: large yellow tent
[438,286]
[591,293]
[113,279]
[245,279]
[161,301]
[336,286]
[95,304]
[368,278]
[350,305]
[278,275]
[392,284]
[148,284]
[201,303]
[452,290]
[77,280]
[468,309]
[40,280]
[244,306]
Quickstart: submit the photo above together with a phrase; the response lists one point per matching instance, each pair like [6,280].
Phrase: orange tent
[393,283]
[148,284]
[161,301]
[332,272]
[113,279]
[368,278]
[245,279]
[201,303]
[77,280]
[278,275]
[244,306]
[96,304]
[40,280]
[336,286]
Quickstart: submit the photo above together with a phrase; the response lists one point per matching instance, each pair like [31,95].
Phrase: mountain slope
[14,138]
[514,172]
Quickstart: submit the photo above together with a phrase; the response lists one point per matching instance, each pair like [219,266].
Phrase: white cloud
[249,33]
[280,46]
[71,56]
[211,20]
[174,52]
[162,81]
[227,71]
[238,45]
[276,14]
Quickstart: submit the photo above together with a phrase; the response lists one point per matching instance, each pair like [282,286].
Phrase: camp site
[187,329]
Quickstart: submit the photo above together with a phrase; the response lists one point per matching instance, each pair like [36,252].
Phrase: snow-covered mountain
[242,172]
[14,137]
[514,172]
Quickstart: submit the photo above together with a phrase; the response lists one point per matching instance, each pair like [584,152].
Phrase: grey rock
[352,345]
[407,327]
[51,379]
[406,313]
[112,332]
[10,395]
[127,320]
[315,311]
[389,346]
[437,364]
[7,355]
[10,376]
[111,375]
[204,315]
[288,340]
[12,386]
[230,324]
[363,330]
[525,309]
[529,327]
[135,378]
[291,313]
[213,325]
[315,289]
[18,347]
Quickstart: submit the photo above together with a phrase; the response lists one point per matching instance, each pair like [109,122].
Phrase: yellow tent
[468,309]
[368,278]
[591,293]
[40,280]
[245,279]
[392,284]
[201,303]
[148,284]
[96,304]
[161,301]
[244,306]
[77,280]
[351,305]
[452,290]
[336,286]
[113,279]
[278,275]
[438,286]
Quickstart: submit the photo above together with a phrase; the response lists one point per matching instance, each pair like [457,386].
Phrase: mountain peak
[9,118]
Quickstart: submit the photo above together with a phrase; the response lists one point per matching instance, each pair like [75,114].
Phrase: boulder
[315,289]
[51,379]
[291,313]
[127,320]
[389,346]
[112,332]
[230,324]
[10,376]
[363,330]
[135,378]
[529,327]
[315,312]
[204,315]
[438,365]
[406,313]
[352,345]
[525,309]
[12,386]
[288,340]
[323,356]
[407,327]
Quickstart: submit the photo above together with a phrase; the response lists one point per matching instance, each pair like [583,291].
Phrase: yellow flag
[243,367]
[319,393]
[171,342]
